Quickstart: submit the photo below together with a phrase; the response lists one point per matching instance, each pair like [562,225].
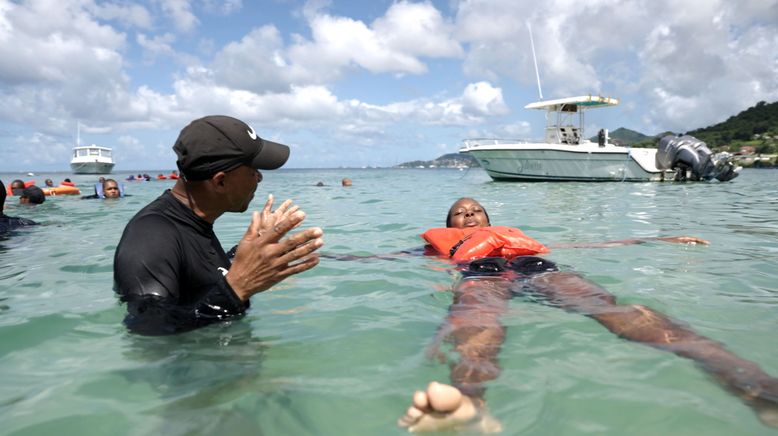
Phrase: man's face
[111,189]
[241,183]
[467,213]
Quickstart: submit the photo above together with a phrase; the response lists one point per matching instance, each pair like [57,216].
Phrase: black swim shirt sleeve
[148,276]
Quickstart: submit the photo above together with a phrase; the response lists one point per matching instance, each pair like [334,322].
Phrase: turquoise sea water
[340,349]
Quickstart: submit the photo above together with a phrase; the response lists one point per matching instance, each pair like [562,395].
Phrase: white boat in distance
[92,159]
[565,154]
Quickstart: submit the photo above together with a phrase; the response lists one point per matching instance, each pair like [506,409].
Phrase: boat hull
[91,167]
[568,163]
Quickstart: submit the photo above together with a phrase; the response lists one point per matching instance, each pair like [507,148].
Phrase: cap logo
[252,133]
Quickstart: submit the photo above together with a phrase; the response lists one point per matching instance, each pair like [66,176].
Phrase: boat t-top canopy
[571,104]
[84,147]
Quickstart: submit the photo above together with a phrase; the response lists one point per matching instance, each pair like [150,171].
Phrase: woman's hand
[690,240]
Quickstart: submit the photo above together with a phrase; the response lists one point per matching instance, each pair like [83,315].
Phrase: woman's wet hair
[448,217]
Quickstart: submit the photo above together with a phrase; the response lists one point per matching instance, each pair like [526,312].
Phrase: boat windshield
[105,153]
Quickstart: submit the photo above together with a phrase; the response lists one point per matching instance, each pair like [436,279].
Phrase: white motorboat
[565,154]
[92,159]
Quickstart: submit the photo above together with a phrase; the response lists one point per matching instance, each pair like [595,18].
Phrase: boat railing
[484,142]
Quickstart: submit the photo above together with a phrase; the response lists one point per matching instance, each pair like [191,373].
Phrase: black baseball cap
[221,143]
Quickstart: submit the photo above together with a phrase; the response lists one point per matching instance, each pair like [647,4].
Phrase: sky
[365,83]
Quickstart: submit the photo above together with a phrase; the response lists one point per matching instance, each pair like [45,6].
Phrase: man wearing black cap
[170,268]
[8,223]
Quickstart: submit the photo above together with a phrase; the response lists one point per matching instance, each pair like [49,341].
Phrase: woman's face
[111,189]
[467,212]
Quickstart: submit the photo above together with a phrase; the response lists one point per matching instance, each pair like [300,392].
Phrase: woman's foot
[444,407]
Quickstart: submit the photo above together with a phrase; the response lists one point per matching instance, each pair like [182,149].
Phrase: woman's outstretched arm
[690,240]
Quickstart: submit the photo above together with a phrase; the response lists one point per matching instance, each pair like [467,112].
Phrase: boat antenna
[534,59]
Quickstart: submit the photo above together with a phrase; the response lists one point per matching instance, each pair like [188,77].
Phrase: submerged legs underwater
[473,327]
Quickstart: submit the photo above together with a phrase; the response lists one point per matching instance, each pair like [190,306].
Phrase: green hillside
[757,126]
[624,136]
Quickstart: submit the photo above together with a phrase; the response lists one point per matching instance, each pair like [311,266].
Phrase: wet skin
[474,329]
[111,189]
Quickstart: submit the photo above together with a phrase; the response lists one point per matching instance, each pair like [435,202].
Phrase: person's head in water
[49,183]
[111,189]
[17,186]
[346,182]
[467,212]
[32,195]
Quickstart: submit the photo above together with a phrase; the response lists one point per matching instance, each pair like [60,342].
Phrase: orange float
[62,190]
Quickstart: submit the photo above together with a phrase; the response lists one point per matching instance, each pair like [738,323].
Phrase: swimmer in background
[32,195]
[8,223]
[110,189]
[17,186]
[473,327]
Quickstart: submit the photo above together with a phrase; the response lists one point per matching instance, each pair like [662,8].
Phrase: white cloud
[55,43]
[690,65]
[418,29]
[130,15]
[37,150]
[393,43]
[180,11]
[257,63]
[158,45]
[483,99]
[223,7]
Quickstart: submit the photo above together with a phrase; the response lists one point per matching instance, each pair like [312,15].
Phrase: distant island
[450,160]
[751,135]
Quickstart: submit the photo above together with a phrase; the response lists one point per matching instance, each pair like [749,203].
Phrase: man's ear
[218,179]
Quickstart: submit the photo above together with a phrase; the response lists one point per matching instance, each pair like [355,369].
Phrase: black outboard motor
[688,154]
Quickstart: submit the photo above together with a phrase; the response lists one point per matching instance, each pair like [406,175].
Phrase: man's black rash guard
[169,268]
[8,223]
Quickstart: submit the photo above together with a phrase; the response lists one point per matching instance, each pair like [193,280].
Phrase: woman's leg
[641,324]
[473,328]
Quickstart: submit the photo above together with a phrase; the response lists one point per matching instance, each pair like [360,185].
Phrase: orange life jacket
[476,242]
